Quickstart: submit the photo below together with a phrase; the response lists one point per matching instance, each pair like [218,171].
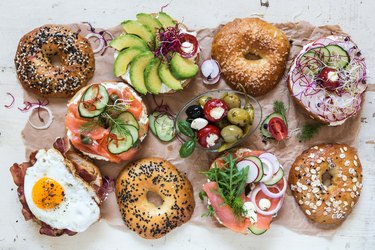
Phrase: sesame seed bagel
[161,177]
[237,43]
[34,61]
[326,181]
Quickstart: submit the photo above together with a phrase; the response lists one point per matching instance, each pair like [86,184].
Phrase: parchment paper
[290,216]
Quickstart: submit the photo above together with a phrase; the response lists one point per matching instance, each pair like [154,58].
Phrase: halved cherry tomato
[215,110]
[208,136]
[185,37]
[329,78]
[278,128]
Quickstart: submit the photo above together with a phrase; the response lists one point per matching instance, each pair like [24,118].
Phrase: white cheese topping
[333,76]
[249,211]
[264,204]
[211,139]
[198,123]
[217,112]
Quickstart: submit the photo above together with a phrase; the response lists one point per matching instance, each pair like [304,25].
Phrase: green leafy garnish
[202,194]
[210,212]
[184,128]
[308,131]
[187,147]
[231,183]
[279,107]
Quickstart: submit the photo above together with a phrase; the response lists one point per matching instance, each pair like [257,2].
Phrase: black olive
[265,126]
[194,111]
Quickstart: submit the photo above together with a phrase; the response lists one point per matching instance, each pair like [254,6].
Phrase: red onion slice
[50,117]
[272,158]
[210,70]
[187,38]
[257,208]
[101,41]
[268,169]
[270,194]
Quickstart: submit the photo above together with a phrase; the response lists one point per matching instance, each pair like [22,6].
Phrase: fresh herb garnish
[188,146]
[308,131]
[279,107]
[210,212]
[231,183]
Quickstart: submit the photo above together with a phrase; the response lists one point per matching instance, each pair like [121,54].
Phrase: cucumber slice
[264,126]
[314,59]
[276,177]
[94,92]
[339,58]
[129,119]
[133,132]
[257,231]
[152,122]
[124,142]
[259,164]
[164,127]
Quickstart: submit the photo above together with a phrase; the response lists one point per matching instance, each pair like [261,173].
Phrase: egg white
[78,210]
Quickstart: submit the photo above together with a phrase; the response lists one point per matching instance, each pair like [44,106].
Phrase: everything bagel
[36,70]
[267,47]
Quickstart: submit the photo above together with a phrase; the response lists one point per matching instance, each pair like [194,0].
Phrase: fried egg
[57,197]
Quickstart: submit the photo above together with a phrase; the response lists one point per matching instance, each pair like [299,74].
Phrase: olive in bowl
[223,119]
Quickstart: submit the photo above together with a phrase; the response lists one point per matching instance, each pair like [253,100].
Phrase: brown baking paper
[290,216]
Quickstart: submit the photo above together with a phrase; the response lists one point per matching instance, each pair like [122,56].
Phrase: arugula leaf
[231,183]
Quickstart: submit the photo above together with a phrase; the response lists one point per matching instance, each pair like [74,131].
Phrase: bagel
[99,135]
[34,61]
[161,177]
[39,181]
[252,54]
[321,201]
[309,79]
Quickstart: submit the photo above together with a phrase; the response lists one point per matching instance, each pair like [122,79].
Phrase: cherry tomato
[208,136]
[329,78]
[278,128]
[215,110]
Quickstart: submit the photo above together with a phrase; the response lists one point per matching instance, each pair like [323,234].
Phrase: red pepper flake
[11,104]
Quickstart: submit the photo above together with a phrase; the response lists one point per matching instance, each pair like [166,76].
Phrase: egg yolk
[47,193]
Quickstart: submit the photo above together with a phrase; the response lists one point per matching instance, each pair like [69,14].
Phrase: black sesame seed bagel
[36,70]
[161,177]
[252,54]
[322,201]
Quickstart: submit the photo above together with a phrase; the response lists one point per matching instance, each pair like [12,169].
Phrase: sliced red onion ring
[210,70]
[50,118]
[101,41]
[268,169]
[187,38]
[267,192]
[253,170]
[272,158]
[257,208]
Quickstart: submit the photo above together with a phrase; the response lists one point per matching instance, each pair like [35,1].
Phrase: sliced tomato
[278,128]
[223,212]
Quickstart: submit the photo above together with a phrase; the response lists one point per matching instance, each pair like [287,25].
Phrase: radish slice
[257,208]
[211,71]
[271,158]
[253,170]
[50,117]
[267,192]
[101,41]
[268,170]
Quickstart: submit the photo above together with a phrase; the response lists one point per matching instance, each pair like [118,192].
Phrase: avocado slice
[183,68]
[136,28]
[152,79]
[151,22]
[167,77]
[124,58]
[166,20]
[137,69]
[127,40]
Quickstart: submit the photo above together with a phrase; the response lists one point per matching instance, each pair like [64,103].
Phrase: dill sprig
[279,107]
[308,131]
[231,183]
[89,126]
[117,124]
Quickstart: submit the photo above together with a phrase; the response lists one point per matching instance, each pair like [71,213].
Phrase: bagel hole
[55,60]
[154,198]
[252,57]
[327,179]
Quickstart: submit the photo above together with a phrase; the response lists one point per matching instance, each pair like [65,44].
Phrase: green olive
[231,133]
[222,123]
[239,117]
[232,100]
[203,100]
[250,109]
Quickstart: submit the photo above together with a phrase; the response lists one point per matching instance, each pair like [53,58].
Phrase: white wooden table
[18,17]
